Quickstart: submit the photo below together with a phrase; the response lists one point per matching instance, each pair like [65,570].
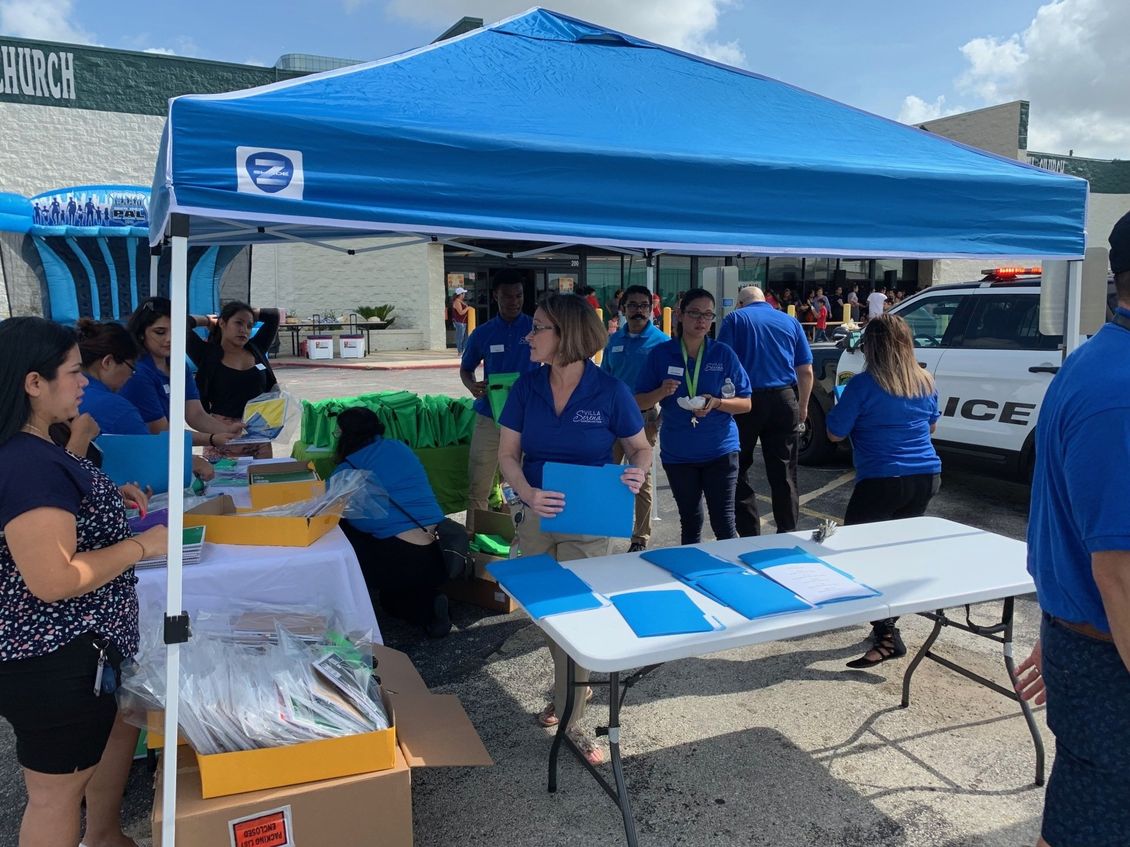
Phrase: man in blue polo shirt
[1079,557]
[500,346]
[624,356]
[774,351]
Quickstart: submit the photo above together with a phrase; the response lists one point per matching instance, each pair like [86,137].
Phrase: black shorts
[60,726]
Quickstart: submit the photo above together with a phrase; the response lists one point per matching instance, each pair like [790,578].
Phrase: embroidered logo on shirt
[585,416]
[712,366]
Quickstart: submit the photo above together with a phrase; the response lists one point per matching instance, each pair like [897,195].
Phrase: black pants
[887,499]
[773,419]
[714,479]
[405,577]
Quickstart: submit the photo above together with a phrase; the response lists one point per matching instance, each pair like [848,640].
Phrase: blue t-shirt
[396,470]
[769,344]
[716,433]
[501,348]
[114,414]
[148,389]
[600,411]
[625,354]
[1081,487]
[890,436]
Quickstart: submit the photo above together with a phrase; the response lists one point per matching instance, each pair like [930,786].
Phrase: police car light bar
[1009,273]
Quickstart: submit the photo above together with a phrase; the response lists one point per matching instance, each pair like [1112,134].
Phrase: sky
[910,61]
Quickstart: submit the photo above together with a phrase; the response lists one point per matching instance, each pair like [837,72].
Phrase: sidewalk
[393,360]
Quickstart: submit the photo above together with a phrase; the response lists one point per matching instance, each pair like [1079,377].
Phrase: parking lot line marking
[843,479]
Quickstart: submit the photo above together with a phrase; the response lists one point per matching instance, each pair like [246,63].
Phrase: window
[930,318]
[1007,322]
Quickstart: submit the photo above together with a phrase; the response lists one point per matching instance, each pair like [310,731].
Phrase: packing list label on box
[263,829]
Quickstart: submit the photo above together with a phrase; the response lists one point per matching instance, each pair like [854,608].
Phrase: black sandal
[886,643]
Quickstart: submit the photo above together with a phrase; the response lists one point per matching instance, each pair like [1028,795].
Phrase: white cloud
[690,25]
[1072,65]
[160,51]
[915,110]
[47,20]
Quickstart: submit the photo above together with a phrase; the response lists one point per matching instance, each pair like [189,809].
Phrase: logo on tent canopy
[261,170]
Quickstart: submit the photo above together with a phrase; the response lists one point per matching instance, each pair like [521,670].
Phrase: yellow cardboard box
[267,494]
[227,525]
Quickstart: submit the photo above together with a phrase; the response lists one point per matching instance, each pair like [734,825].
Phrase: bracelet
[212,439]
[140,547]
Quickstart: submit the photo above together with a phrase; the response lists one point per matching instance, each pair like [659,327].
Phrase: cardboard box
[319,347]
[351,346]
[226,525]
[266,494]
[483,590]
[363,809]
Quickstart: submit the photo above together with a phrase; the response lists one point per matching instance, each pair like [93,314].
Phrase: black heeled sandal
[887,644]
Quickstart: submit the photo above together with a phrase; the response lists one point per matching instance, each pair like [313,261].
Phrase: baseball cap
[1120,245]
[460,290]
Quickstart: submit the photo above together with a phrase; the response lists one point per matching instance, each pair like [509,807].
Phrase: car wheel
[814,447]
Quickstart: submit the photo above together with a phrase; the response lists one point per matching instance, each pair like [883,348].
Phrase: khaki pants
[482,465]
[532,542]
[641,530]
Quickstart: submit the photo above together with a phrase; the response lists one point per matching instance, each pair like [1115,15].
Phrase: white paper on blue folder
[818,582]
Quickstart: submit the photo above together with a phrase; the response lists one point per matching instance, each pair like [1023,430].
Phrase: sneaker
[548,716]
[441,620]
[593,754]
[637,547]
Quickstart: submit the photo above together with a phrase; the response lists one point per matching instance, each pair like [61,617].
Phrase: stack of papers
[543,587]
[192,544]
[815,580]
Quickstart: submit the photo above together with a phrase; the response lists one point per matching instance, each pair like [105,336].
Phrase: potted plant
[379,316]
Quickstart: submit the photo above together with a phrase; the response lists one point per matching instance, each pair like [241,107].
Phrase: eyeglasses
[639,307]
[131,366]
[541,328]
[696,315]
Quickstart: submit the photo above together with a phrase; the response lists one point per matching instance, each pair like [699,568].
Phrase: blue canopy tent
[545,128]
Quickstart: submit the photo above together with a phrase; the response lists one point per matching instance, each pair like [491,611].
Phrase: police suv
[990,362]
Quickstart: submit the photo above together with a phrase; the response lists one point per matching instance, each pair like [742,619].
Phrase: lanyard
[692,382]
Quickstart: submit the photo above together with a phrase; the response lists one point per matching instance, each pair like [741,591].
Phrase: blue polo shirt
[625,354]
[148,389]
[770,344]
[397,471]
[1081,487]
[601,410]
[890,436]
[501,348]
[114,414]
[716,433]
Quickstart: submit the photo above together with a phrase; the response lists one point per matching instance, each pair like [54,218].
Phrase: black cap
[1120,245]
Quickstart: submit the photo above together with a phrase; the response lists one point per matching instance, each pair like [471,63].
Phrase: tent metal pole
[176,621]
[654,453]
[1073,312]
[154,268]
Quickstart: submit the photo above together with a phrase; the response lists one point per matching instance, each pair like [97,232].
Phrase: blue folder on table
[689,563]
[543,587]
[596,501]
[669,612]
[750,594]
[771,556]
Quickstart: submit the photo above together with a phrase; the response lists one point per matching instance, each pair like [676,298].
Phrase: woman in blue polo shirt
[698,447]
[889,411]
[148,388]
[567,411]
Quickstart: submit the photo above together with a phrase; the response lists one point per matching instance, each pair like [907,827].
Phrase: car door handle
[1044,369]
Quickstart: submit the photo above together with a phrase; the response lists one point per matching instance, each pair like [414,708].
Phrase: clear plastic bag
[269,417]
[350,493]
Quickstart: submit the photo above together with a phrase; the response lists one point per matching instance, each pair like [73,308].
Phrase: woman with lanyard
[148,388]
[232,368]
[567,411]
[889,411]
[700,385]
[68,607]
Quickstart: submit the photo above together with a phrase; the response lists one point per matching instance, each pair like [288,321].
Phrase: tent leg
[654,455]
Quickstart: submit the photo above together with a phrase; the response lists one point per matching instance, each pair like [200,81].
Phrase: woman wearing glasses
[700,385]
[568,411]
[889,411]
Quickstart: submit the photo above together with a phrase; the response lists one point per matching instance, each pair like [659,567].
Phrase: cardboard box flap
[494,523]
[398,674]
[434,731]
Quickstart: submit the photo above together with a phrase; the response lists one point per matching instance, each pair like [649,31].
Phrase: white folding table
[920,566]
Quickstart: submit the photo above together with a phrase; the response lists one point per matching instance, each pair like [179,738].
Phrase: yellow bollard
[791,310]
[667,319]
[599,357]
[847,312]
[471,321]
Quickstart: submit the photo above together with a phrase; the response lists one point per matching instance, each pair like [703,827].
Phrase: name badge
[619,349]
[498,348]
[167,388]
[674,370]
[259,366]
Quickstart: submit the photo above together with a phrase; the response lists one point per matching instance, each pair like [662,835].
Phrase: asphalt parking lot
[774,744]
